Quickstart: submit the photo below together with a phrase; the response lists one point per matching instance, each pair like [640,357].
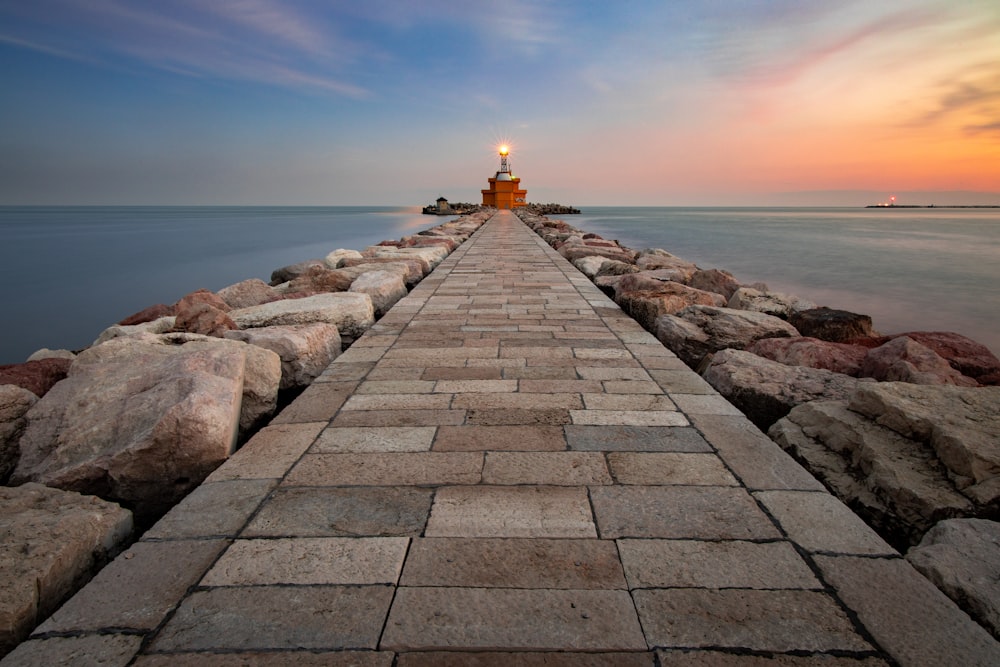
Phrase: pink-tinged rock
[38,376]
[204,319]
[654,258]
[145,419]
[765,391]
[714,280]
[416,269]
[384,288]
[319,279]
[697,331]
[420,241]
[160,326]
[764,301]
[292,271]
[244,294]
[14,404]
[964,354]
[53,541]
[350,312]
[646,299]
[390,244]
[201,296]
[836,326]
[905,360]
[305,349]
[149,314]
[430,255]
[812,352]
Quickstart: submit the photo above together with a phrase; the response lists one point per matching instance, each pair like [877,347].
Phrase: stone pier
[508,470]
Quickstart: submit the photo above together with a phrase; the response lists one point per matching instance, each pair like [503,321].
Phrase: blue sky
[397,101]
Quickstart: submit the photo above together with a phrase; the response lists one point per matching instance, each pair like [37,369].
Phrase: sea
[66,273]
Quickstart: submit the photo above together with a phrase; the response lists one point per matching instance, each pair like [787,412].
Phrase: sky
[397,102]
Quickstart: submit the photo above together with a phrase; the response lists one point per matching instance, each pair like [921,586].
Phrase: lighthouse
[504,190]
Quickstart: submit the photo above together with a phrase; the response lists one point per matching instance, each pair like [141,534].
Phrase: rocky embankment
[96,443]
[904,428]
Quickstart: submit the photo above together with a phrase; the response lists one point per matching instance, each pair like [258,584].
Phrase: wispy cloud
[47,49]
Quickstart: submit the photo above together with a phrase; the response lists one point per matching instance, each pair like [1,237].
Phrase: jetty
[506,469]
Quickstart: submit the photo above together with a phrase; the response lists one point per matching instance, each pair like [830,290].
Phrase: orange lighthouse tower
[504,189]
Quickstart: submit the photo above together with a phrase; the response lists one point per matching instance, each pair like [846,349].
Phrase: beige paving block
[513,563]
[398,418]
[500,511]
[705,404]
[635,438]
[631,387]
[516,401]
[397,386]
[555,468]
[818,522]
[748,619]
[461,374]
[705,564]
[439,618]
[681,382]
[415,373]
[430,356]
[475,386]
[628,417]
[906,614]
[752,456]
[596,353]
[689,658]
[342,371]
[697,512]
[138,589]
[361,354]
[526,352]
[499,438]
[398,402]
[617,372]
[375,439]
[627,401]
[106,650]
[540,373]
[387,469]
[664,363]
[317,403]
[359,511]
[276,617]
[270,453]
[559,386]
[309,560]
[654,468]
[216,509]
[270,659]
[523,659]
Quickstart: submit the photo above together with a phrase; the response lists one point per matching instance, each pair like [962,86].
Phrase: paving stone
[375,439]
[654,468]
[398,402]
[461,374]
[631,387]
[755,459]
[705,404]
[558,386]
[270,453]
[217,509]
[690,658]
[516,401]
[499,438]
[910,618]
[395,387]
[500,511]
[513,563]
[701,512]
[681,382]
[747,619]
[818,522]
[627,418]
[275,617]
[475,386]
[701,564]
[628,402]
[136,591]
[520,417]
[393,469]
[613,373]
[415,373]
[635,438]
[556,468]
[112,650]
[439,618]
[341,371]
[270,659]
[592,353]
[310,560]
[523,659]
[317,403]
[372,511]
[399,418]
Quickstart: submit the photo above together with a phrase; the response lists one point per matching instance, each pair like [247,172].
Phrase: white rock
[384,288]
[336,258]
[158,326]
[305,349]
[351,312]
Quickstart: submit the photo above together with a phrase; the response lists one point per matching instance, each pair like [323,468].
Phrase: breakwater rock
[902,427]
[116,434]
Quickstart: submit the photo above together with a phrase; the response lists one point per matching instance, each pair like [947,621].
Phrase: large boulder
[654,258]
[764,301]
[905,360]
[160,326]
[292,271]
[416,268]
[646,298]
[319,279]
[714,280]
[590,265]
[432,254]
[335,259]
[384,288]
[145,419]
[962,558]
[247,293]
[53,542]
[46,353]
[964,354]
[37,376]
[613,267]
[350,312]
[812,352]
[608,250]
[697,331]
[201,296]
[204,313]
[305,349]
[148,314]
[14,404]
[836,326]
[765,391]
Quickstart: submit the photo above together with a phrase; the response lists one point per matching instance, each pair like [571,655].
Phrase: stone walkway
[506,462]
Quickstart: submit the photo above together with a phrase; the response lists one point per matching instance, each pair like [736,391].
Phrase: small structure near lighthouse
[504,191]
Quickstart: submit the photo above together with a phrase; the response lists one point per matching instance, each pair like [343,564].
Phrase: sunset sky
[694,102]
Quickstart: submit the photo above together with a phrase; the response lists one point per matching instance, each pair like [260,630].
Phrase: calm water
[910,269]
[67,273]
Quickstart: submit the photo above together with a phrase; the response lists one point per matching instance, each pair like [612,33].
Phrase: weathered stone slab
[104,650]
[748,619]
[213,510]
[498,511]
[635,438]
[700,564]
[398,402]
[524,659]
[269,454]
[270,659]
[653,468]
[708,513]
[690,658]
[499,438]
[555,468]
[516,401]
[399,418]
[375,439]
[348,512]
[513,563]
[485,618]
[350,312]
[518,416]
[275,617]
[627,418]
[393,469]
